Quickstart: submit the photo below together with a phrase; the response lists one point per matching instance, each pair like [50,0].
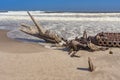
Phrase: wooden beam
[40,29]
[91,66]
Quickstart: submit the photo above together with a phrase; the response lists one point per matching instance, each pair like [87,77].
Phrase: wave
[55,13]
[41,15]
[67,25]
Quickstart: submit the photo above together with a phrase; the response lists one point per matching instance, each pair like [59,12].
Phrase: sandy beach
[30,61]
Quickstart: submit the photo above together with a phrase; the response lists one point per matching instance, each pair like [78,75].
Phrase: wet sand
[13,46]
[30,61]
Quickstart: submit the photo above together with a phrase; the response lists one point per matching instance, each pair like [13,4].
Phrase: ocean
[67,25]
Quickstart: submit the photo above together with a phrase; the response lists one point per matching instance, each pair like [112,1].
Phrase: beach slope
[30,61]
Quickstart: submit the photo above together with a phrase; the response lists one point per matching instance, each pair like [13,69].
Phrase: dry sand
[29,61]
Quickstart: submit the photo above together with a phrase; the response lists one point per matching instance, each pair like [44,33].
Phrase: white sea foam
[40,15]
[67,25]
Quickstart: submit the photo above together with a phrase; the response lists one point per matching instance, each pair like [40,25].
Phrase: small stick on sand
[91,66]
[110,52]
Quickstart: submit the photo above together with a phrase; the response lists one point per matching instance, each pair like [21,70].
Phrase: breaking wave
[67,25]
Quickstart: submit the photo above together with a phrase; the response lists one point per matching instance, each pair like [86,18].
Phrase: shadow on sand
[83,69]
[30,40]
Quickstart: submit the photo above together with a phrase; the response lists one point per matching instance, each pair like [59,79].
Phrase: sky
[60,5]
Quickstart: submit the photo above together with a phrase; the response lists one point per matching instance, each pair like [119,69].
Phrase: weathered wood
[48,36]
[93,47]
[85,35]
[31,30]
[110,52]
[91,66]
[40,29]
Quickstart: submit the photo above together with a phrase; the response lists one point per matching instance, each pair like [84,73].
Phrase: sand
[30,61]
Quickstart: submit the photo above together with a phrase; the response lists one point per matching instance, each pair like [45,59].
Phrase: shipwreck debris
[108,39]
[110,52]
[91,66]
[83,43]
[39,32]
[101,42]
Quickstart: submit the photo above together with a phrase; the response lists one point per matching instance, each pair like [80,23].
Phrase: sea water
[67,25]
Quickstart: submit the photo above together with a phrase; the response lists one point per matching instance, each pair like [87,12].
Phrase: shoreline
[21,61]
[12,46]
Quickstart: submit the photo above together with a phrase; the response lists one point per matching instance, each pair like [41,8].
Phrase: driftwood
[94,47]
[39,32]
[31,30]
[85,42]
[85,35]
[91,66]
[40,29]
[110,52]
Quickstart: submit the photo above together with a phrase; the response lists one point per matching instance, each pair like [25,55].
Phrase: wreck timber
[39,32]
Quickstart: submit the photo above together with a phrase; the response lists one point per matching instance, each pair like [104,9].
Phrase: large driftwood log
[39,32]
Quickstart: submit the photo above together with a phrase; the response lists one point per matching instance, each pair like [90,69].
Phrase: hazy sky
[61,5]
